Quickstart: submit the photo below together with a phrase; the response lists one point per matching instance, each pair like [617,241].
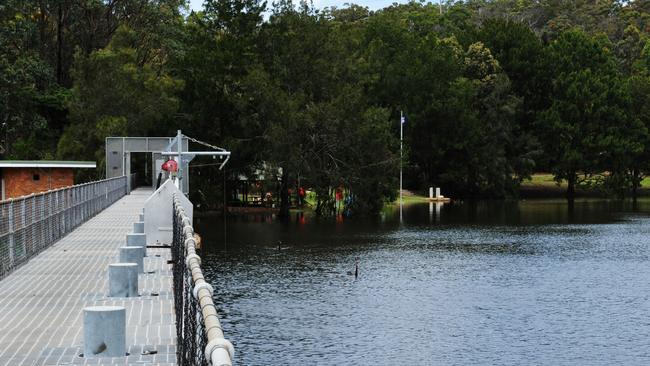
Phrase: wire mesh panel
[191,336]
[32,223]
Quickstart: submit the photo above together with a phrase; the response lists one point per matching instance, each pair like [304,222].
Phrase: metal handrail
[30,224]
[61,189]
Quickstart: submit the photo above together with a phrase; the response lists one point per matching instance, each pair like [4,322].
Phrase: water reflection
[437,205]
[461,283]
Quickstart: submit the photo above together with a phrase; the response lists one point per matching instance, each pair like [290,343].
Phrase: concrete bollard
[133,255]
[430,193]
[437,192]
[123,280]
[137,240]
[104,331]
[138,227]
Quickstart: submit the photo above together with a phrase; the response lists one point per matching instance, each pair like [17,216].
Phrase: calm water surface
[492,283]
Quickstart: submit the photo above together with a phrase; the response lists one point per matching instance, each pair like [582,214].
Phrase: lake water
[491,283]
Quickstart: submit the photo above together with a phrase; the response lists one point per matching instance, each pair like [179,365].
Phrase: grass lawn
[541,180]
[546,180]
[645,183]
[537,182]
[410,197]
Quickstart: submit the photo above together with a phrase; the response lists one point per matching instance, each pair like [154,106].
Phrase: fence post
[23,215]
[56,214]
[23,227]
[34,225]
[11,233]
[79,210]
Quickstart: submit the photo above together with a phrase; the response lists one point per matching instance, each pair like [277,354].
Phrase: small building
[24,177]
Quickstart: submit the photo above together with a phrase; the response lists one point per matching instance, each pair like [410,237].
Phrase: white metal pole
[401,156]
[179,159]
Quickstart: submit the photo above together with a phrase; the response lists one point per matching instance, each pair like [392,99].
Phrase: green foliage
[305,99]
[493,90]
[113,95]
[586,128]
[29,95]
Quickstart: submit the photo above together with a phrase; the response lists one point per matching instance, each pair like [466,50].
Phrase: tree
[586,130]
[318,127]
[476,160]
[115,95]
[519,51]
[638,87]
[29,96]
[220,50]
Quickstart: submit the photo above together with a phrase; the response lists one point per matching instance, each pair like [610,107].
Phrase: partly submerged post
[104,331]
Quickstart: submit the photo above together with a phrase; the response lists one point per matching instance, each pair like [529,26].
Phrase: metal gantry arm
[194,153]
[189,155]
[118,150]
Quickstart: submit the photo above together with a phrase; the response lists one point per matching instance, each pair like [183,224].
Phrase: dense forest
[492,90]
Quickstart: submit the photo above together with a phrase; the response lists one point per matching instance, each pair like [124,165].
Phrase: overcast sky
[372,4]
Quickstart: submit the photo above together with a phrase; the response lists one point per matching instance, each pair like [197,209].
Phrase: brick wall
[21,182]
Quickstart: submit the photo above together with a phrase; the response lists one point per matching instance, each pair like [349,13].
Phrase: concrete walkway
[41,303]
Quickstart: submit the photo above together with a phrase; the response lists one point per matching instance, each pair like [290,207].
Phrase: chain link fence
[30,224]
[200,340]
[191,339]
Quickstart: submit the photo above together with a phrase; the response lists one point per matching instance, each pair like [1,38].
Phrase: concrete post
[138,227]
[104,331]
[123,280]
[437,192]
[137,240]
[133,255]
[430,193]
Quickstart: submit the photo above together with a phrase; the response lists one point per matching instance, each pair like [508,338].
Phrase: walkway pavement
[41,303]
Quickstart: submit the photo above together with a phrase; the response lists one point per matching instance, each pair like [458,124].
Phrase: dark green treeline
[492,90]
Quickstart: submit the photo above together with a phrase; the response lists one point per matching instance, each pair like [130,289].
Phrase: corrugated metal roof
[46,164]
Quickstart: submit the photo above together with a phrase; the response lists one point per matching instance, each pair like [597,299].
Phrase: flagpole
[401,156]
